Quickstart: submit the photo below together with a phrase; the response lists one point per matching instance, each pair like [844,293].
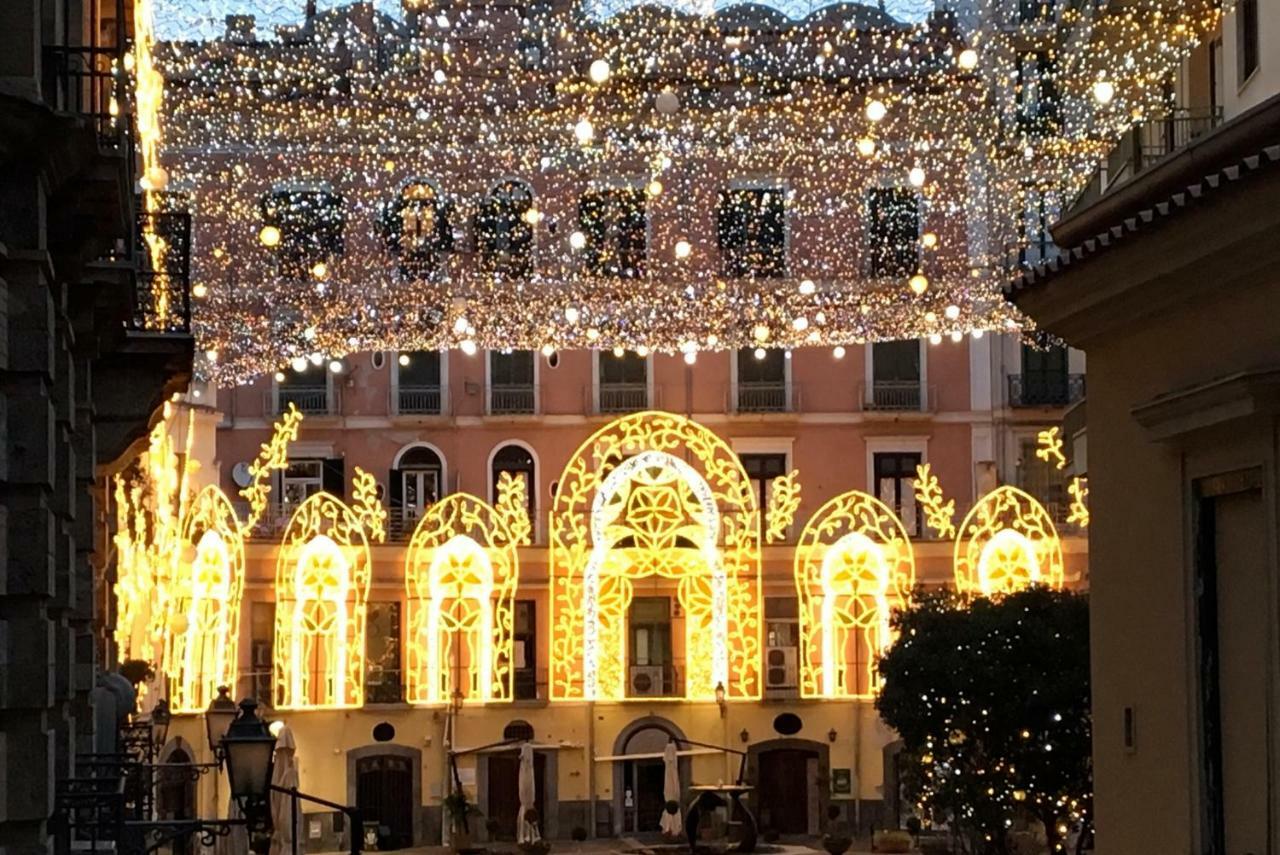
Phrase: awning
[688,752]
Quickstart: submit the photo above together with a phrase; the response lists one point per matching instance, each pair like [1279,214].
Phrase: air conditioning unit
[647,681]
[780,668]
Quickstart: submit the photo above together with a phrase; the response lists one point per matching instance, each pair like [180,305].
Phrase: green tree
[991,698]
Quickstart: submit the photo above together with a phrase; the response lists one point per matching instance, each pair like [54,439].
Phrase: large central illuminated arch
[322,582]
[654,494]
[853,566]
[208,580]
[461,574]
[1007,542]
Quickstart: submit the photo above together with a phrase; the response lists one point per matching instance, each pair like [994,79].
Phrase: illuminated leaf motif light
[322,582]
[939,513]
[461,576]
[1078,489]
[655,495]
[207,583]
[1006,543]
[1049,447]
[273,456]
[853,566]
[784,501]
[513,507]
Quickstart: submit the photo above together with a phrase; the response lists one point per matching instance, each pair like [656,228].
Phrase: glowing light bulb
[335,365]
[654,188]
[760,353]
[976,334]
[760,333]
[807,287]
[838,352]
[532,216]
[691,357]
[683,249]
[199,290]
[403,359]
[642,351]
[866,146]
[548,349]
[876,110]
[935,339]
[599,71]
[619,352]
[916,176]
[577,240]
[952,312]
[957,336]
[571,314]
[584,131]
[460,324]
[1103,92]
[316,358]
[299,364]
[279,375]
[468,347]
[918,284]
[269,236]
[968,59]
[438,76]
[929,240]
[800,324]
[319,271]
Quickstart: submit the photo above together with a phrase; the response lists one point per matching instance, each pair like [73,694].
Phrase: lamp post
[160,717]
[249,748]
[217,719]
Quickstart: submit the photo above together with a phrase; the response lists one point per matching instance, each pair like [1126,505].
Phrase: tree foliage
[991,699]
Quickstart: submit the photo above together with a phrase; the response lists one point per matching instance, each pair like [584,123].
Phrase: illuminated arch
[853,566]
[204,625]
[1007,542]
[654,494]
[461,574]
[322,581]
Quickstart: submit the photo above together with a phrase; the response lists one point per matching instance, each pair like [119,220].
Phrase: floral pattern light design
[1007,542]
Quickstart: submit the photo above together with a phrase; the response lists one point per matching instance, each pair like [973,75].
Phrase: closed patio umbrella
[235,842]
[285,775]
[526,832]
[671,823]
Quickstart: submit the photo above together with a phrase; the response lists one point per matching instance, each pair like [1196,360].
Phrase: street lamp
[160,717]
[249,747]
[217,718]
[720,699]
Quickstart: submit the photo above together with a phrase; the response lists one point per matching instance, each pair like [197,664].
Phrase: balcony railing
[311,400]
[1035,390]
[767,396]
[90,82]
[902,395]
[623,397]
[163,299]
[419,400]
[512,400]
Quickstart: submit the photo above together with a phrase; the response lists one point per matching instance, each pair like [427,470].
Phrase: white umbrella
[526,832]
[236,842]
[285,774]
[671,823]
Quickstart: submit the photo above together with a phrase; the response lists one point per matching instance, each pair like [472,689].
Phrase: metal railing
[311,400]
[163,298]
[419,400]
[900,395]
[762,396]
[90,82]
[1040,390]
[623,397]
[1036,249]
[512,400]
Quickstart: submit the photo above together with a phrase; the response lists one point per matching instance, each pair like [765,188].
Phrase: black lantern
[249,748]
[160,716]
[222,711]
[720,701]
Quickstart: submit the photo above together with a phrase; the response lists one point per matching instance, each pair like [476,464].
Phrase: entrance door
[384,794]
[504,792]
[421,488]
[177,797]
[784,790]
[643,797]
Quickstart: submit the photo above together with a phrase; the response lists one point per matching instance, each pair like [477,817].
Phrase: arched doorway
[176,793]
[385,783]
[790,795]
[638,799]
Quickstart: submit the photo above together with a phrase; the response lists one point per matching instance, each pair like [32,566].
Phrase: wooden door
[784,790]
[384,794]
[504,792]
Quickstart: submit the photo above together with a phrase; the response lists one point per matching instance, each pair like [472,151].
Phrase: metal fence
[163,299]
[311,400]
[510,400]
[419,400]
[623,397]
[901,395]
[1034,390]
[762,397]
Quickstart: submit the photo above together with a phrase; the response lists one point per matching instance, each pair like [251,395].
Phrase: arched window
[303,227]
[417,482]
[504,234]
[417,228]
[517,460]
[518,729]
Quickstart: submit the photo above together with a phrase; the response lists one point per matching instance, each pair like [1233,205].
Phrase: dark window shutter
[335,476]
[395,486]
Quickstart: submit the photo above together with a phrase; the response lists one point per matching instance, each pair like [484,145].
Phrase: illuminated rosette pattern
[1006,543]
[853,566]
[322,582]
[461,575]
[204,617]
[656,497]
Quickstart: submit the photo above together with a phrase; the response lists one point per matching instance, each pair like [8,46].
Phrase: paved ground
[613,846]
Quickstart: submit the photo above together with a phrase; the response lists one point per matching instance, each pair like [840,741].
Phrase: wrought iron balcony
[762,396]
[310,400]
[1039,390]
[90,82]
[901,395]
[163,299]
[419,400]
[520,399]
[623,397]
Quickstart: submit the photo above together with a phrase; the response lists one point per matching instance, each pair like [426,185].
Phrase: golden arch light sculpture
[658,497]
[322,582]
[461,574]
[1007,542]
[205,593]
[853,566]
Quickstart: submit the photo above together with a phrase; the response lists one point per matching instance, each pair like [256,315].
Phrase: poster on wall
[842,782]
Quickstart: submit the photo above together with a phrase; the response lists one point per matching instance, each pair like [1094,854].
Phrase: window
[1036,11]
[1036,91]
[649,636]
[304,477]
[1247,38]
[613,221]
[525,650]
[416,483]
[511,388]
[262,639]
[308,390]
[517,460]
[893,231]
[895,371]
[762,380]
[308,231]
[382,654]
[504,237]
[753,231]
[1041,209]
[417,228]
[418,383]
[895,480]
[781,645]
[1042,478]
[1045,381]
[761,470]
[624,382]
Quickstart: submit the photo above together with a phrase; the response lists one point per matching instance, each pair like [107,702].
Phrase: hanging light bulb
[269,236]
[760,353]
[918,284]
[838,352]
[1103,92]
[876,110]
[599,71]
[577,240]
[807,287]
[468,347]
[866,146]
[968,59]
[916,176]
[584,131]
[683,249]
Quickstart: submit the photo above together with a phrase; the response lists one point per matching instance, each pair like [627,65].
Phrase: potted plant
[838,839]
[459,810]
